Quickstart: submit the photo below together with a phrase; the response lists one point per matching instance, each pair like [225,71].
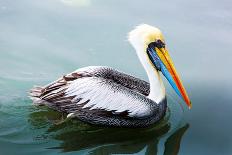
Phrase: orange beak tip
[190,105]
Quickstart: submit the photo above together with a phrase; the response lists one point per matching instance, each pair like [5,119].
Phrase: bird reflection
[78,136]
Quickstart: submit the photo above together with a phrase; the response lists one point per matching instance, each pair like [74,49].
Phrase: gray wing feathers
[97,88]
[104,94]
[125,80]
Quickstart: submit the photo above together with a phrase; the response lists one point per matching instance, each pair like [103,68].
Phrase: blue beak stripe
[161,67]
[170,79]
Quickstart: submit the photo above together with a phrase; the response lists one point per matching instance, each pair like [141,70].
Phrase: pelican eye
[159,44]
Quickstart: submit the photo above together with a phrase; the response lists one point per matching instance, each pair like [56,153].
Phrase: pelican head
[150,46]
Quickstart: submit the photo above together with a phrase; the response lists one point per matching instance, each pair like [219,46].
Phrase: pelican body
[101,95]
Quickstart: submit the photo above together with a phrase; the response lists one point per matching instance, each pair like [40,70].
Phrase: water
[42,40]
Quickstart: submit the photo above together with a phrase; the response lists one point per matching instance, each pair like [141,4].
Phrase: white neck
[139,38]
[157,89]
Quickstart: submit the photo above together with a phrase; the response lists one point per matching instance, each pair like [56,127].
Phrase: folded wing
[98,90]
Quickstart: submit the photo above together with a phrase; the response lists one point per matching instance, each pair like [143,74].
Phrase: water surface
[42,40]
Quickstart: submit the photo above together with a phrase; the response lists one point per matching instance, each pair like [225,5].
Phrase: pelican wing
[98,89]
[102,94]
[121,78]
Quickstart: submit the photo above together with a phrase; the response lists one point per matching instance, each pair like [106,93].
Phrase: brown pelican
[104,96]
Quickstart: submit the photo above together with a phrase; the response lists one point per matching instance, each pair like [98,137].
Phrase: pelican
[104,96]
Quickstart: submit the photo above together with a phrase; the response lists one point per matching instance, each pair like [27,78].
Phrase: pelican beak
[168,69]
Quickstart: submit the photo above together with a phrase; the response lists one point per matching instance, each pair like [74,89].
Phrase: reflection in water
[78,136]
[172,145]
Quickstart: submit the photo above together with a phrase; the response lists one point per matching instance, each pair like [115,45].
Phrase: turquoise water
[42,40]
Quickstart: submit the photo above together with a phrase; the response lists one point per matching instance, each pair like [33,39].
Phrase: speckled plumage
[84,94]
